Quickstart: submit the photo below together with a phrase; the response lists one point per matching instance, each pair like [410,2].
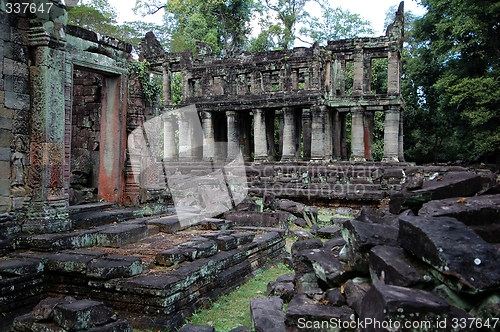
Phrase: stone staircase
[93,262]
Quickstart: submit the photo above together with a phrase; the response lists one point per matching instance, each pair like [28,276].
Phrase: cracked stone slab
[453,249]
[388,265]
[266,314]
[114,266]
[82,314]
[71,261]
[481,213]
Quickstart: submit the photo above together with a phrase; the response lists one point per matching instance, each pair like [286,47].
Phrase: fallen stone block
[469,263]
[304,314]
[266,314]
[302,235]
[335,246]
[284,288]
[361,237]
[334,297]
[44,309]
[355,290]
[196,328]
[215,224]
[298,246]
[453,184]
[328,232]
[400,306]
[481,213]
[196,249]
[388,265]
[114,266]
[82,315]
[325,266]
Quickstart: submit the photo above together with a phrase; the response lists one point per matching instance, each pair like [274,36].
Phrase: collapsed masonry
[240,100]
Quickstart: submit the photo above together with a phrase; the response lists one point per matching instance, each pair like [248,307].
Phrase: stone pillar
[318,133]
[358,79]
[306,133]
[289,134]
[167,84]
[368,134]
[337,132]
[259,135]
[343,136]
[233,143]
[357,135]
[328,135]
[401,154]
[185,138]
[393,72]
[391,135]
[47,210]
[271,148]
[169,146]
[208,136]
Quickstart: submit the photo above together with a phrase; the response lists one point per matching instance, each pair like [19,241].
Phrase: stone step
[90,218]
[98,206]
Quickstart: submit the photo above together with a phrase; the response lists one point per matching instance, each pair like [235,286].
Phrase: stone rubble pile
[434,266]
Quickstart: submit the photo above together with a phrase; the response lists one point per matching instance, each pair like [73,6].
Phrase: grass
[233,309]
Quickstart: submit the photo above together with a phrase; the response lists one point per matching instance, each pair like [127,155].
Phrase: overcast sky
[372,10]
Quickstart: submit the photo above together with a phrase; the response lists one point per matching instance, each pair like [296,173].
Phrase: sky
[372,10]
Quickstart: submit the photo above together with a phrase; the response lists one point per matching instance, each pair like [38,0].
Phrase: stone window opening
[379,75]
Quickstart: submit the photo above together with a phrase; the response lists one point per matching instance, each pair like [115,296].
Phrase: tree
[453,75]
[334,24]
[222,24]
[98,16]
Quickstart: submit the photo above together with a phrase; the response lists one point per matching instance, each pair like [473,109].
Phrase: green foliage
[96,15]
[452,81]
[176,85]
[334,24]
[151,88]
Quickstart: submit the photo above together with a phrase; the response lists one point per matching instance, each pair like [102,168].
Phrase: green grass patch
[233,309]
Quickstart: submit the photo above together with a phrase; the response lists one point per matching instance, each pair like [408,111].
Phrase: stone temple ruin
[90,169]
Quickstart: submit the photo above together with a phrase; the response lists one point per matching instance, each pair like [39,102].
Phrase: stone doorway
[85,136]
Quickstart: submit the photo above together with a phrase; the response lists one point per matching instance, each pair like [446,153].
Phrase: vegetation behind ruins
[451,73]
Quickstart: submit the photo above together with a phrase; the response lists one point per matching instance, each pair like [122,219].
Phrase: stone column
[401,154]
[357,135]
[208,136]
[289,134]
[47,211]
[328,135]
[259,135]
[393,72]
[358,79]
[169,146]
[306,133]
[391,135]
[233,143]
[343,136]
[269,119]
[368,134]
[337,132]
[185,139]
[318,133]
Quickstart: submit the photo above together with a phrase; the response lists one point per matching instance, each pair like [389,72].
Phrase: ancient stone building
[304,91]
[73,119]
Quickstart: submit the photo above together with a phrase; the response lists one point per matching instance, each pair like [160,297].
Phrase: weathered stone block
[169,257]
[71,261]
[20,266]
[82,315]
[196,328]
[481,213]
[398,304]
[168,224]
[226,242]
[325,266]
[266,314]
[243,238]
[355,290]
[388,265]
[319,316]
[114,266]
[469,263]
[329,232]
[460,184]
[119,235]
[361,237]
[44,309]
